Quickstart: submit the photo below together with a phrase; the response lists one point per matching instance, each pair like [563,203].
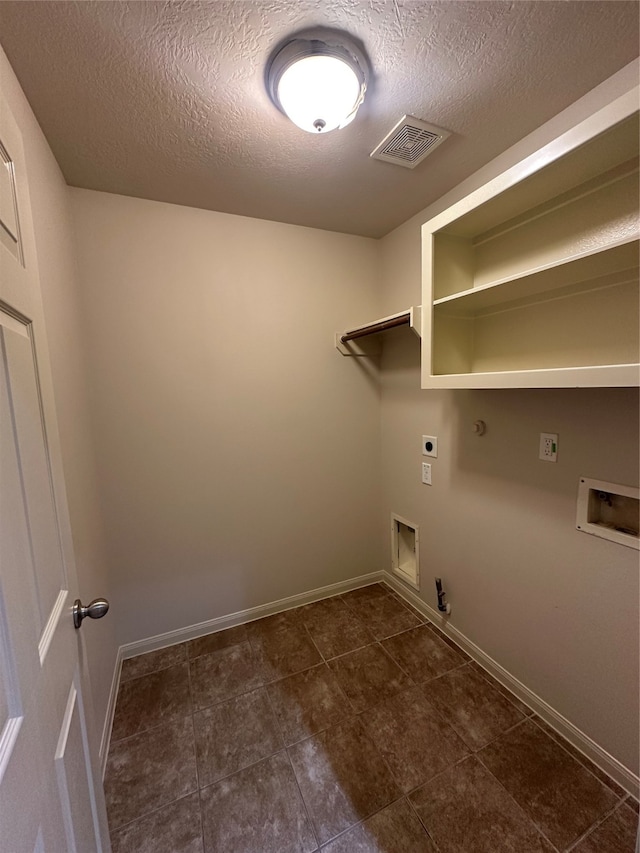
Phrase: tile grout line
[439,773]
[151,812]
[422,824]
[394,634]
[333,657]
[201,820]
[165,722]
[621,798]
[510,795]
[286,752]
[151,672]
[386,764]
[482,672]
[304,802]
[344,654]
[315,645]
[242,769]
[398,633]
[396,663]
[594,826]
[501,734]
[362,821]
[195,742]
[156,669]
[195,752]
[196,790]
[354,713]
[221,649]
[448,642]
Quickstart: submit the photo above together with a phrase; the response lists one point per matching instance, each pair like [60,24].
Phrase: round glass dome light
[317,85]
[319,93]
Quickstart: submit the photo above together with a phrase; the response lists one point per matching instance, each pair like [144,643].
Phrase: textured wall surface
[166,100]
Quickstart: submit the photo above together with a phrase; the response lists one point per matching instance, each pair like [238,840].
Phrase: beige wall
[54,244]
[557,608]
[239,451]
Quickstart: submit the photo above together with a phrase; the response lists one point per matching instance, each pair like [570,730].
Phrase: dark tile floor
[351,725]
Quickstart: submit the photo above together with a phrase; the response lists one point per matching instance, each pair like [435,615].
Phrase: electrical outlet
[548,447]
[426,473]
[429,445]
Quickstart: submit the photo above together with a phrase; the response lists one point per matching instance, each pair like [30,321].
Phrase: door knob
[95,610]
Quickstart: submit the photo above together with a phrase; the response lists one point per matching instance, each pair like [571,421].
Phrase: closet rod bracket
[348,343]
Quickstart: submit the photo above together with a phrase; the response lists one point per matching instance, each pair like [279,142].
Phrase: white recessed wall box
[610,511]
[405,554]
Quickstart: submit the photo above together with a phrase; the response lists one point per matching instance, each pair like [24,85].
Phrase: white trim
[105,740]
[582,742]
[8,738]
[52,624]
[191,632]
[604,118]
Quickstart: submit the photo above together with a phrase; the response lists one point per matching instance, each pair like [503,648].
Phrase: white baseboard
[105,740]
[582,742]
[191,632]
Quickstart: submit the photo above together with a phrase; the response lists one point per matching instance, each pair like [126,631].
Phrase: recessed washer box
[405,554]
[610,511]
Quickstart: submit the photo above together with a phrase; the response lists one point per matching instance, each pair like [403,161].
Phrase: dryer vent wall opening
[405,557]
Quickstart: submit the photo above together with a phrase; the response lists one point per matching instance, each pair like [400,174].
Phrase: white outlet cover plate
[431,440]
[426,473]
[548,446]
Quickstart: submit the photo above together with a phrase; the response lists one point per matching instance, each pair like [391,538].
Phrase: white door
[50,796]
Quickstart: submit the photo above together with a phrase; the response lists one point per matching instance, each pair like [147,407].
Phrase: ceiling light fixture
[318,79]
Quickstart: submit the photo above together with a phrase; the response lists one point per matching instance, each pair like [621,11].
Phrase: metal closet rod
[380,326]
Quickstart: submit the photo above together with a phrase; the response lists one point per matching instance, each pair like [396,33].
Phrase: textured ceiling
[166,100]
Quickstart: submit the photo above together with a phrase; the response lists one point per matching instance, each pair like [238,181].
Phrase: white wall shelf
[532,280]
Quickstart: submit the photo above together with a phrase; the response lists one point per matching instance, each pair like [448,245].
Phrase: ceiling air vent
[410,141]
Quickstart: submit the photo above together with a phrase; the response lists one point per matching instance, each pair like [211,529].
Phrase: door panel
[47,576]
[48,800]
[9,230]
